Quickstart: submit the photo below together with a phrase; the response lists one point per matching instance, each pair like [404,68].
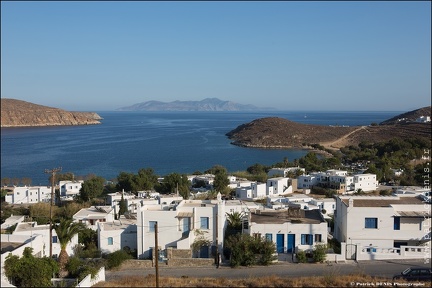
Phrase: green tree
[221,181]
[92,188]
[173,181]
[122,207]
[66,230]
[246,250]
[29,271]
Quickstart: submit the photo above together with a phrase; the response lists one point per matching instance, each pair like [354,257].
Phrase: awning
[184,215]
[414,214]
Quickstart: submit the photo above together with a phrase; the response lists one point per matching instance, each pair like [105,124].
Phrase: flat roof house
[373,224]
[291,230]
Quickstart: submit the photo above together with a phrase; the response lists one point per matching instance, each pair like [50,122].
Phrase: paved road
[385,268]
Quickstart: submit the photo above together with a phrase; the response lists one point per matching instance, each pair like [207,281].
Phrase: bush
[319,253]
[301,256]
[116,258]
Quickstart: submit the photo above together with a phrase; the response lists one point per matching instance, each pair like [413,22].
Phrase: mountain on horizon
[208,104]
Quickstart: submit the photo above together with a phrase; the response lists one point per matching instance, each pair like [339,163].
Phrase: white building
[279,186]
[372,224]
[29,195]
[179,226]
[117,235]
[253,191]
[94,214]
[68,188]
[338,180]
[423,119]
[31,229]
[283,172]
[290,230]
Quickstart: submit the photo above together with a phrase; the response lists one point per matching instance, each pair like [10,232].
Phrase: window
[110,241]
[371,223]
[396,225]
[204,222]
[306,239]
[54,239]
[269,236]
[256,235]
[317,237]
[152,226]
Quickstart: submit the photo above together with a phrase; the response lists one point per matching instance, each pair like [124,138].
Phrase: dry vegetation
[331,280]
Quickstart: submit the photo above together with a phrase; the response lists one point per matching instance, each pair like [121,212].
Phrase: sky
[304,56]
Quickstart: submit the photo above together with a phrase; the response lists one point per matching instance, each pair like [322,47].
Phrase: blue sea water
[167,142]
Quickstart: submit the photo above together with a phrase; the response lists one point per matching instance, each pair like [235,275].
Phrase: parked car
[415,274]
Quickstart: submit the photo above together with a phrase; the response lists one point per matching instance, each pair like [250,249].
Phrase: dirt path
[342,141]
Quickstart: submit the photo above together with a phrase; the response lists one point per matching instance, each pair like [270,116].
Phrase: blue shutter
[310,240]
[303,239]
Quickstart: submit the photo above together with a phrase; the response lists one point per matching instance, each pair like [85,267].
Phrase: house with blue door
[291,230]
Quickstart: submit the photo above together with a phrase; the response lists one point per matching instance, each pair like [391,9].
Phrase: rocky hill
[275,132]
[410,116]
[208,104]
[17,113]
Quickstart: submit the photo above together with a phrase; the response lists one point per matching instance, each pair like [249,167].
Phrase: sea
[167,142]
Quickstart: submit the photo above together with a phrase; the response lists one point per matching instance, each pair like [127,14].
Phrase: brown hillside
[274,132]
[17,113]
[410,116]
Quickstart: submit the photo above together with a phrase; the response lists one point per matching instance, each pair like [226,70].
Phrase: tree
[26,181]
[5,181]
[221,180]
[246,250]
[122,207]
[66,230]
[173,181]
[92,188]
[29,271]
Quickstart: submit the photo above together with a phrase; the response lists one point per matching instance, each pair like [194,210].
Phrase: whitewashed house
[365,182]
[338,180]
[117,235]
[423,119]
[283,172]
[69,189]
[114,198]
[382,227]
[180,225]
[29,195]
[11,221]
[255,190]
[94,214]
[31,229]
[291,230]
[279,186]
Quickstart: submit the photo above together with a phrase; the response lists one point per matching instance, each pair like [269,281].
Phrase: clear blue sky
[95,56]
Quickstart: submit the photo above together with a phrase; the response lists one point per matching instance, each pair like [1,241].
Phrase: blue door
[291,243]
[280,243]
[186,224]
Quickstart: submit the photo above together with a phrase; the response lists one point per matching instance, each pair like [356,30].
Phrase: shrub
[116,258]
[301,256]
[319,253]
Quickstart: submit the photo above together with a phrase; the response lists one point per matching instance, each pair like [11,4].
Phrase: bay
[167,142]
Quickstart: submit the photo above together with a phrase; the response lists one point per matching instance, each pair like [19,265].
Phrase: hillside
[275,132]
[17,113]
[410,116]
[208,104]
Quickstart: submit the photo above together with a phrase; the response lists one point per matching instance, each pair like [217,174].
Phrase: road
[385,268]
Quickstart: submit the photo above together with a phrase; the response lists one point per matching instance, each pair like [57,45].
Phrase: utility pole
[157,255]
[53,173]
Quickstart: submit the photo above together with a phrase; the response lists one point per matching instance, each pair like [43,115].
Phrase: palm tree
[235,220]
[66,230]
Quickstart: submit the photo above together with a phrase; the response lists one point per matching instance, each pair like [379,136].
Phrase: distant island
[276,132]
[208,104]
[18,113]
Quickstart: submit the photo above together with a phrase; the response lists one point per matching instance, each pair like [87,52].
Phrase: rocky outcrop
[274,132]
[17,113]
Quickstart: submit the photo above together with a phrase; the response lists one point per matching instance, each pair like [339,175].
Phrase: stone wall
[178,253]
